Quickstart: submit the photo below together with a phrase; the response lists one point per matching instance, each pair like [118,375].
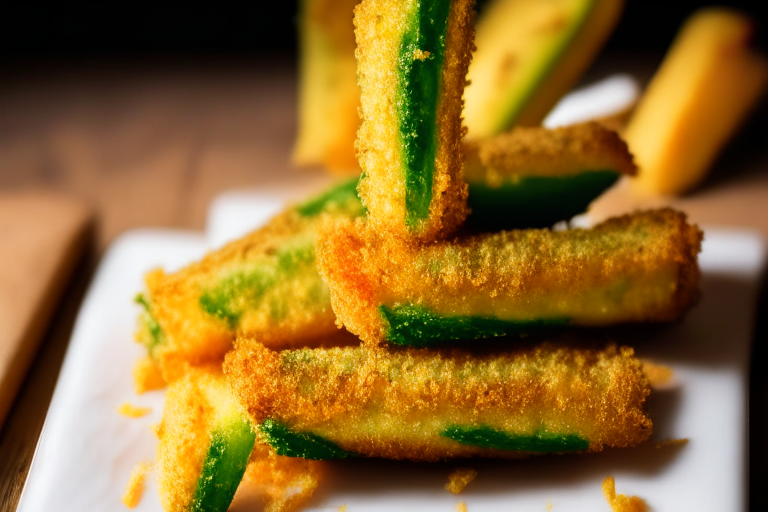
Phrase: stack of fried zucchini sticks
[419,262]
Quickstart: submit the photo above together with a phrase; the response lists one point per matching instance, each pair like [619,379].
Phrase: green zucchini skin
[289,443]
[224,466]
[417,326]
[535,201]
[419,83]
[538,442]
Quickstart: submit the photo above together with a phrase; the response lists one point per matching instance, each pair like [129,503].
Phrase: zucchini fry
[328,93]
[430,405]
[534,177]
[530,53]
[412,64]
[205,444]
[207,447]
[264,285]
[637,268]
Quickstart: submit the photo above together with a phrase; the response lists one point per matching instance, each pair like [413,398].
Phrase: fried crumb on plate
[132,411]
[667,443]
[461,507]
[459,479]
[621,502]
[659,375]
[135,487]
[343,508]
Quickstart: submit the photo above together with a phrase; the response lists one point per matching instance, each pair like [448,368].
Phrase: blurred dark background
[34,34]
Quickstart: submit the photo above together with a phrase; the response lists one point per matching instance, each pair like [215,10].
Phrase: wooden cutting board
[42,237]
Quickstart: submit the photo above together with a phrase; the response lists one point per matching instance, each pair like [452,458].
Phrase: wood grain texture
[43,237]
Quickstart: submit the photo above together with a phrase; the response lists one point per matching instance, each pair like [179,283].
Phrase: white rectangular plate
[87,449]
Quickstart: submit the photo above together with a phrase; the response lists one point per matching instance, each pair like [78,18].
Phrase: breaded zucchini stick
[412,63]
[535,177]
[328,93]
[264,285]
[430,405]
[207,446]
[205,442]
[529,54]
[637,268]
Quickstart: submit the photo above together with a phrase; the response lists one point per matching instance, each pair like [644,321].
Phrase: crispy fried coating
[398,404]
[191,406]
[636,268]
[265,284]
[405,161]
[184,437]
[329,96]
[621,502]
[459,479]
[535,151]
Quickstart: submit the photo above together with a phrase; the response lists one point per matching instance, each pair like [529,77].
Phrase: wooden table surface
[151,145]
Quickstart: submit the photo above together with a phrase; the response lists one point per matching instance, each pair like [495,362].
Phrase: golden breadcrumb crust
[147,375]
[395,403]
[379,26]
[184,437]
[635,268]
[543,152]
[194,337]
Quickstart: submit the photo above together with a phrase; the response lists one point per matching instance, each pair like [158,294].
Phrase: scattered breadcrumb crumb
[671,442]
[658,374]
[343,508]
[549,505]
[459,479]
[132,411]
[147,375]
[461,507]
[621,502]
[135,487]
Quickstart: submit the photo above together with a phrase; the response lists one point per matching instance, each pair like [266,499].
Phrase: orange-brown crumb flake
[132,411]
[135,487]
[672,443]
[658,375]
[621,502]
[461,507]
[459,479]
